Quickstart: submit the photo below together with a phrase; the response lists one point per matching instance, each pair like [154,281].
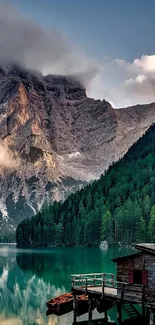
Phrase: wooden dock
[105,289]
[108,292]
[104,285]
[99,286]
[134,284]
[96,284]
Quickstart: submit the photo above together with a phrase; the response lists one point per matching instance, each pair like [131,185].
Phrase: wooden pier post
[143,310]
[119,312]
[106,314]
[74,309]
[89,311]
[151,317]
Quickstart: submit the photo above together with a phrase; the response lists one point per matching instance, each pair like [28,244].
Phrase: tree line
[119,207]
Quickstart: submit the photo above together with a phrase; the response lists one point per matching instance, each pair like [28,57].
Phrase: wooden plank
[99,321]
[107,291]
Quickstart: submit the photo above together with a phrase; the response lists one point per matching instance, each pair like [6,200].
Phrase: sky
[108,43]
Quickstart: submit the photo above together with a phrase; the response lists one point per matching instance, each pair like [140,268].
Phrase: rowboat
[82,305]
[64,304]
[61,303]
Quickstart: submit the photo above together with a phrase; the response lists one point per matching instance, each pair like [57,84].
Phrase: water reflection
[56,266]
[26,302]
[29,278]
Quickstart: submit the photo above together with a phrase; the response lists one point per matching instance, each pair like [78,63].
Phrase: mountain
[56,139]
[118,208]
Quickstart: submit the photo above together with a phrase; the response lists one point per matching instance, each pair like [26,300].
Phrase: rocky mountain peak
[65,87]
[55,139]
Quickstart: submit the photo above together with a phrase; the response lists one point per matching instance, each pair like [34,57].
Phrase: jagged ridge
[63,138]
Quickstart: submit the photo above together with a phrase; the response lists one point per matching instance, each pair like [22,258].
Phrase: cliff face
[57,139]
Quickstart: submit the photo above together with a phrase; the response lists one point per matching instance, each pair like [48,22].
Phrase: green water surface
[28,278]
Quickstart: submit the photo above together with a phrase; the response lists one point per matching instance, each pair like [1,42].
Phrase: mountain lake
[28,278]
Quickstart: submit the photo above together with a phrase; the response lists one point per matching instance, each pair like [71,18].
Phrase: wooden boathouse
[133,285]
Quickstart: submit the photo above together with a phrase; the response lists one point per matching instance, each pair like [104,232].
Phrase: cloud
[24,42]
[140,85]
[142,89]
[127,83]
[145,63]
[122,83]
[8,158]
[140,79]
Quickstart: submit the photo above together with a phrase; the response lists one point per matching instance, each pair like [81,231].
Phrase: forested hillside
[119,207]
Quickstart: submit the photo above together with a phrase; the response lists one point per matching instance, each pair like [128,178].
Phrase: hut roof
[147,248]
[126,257]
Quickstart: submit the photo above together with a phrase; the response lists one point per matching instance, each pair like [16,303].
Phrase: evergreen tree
[152,225]
[59,234]
[108,227]
[119,208]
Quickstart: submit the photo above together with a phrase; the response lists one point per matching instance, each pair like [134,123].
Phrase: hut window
[137,276]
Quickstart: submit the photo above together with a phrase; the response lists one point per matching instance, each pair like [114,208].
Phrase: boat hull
[61,303]
[61,310]
[64,304]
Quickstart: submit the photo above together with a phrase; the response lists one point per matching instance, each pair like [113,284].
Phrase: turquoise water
[28,278]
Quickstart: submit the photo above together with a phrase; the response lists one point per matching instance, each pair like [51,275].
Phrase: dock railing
[94,280]
[106,280]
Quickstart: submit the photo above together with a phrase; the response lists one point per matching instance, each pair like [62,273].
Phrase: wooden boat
[59,312]
[64,304]
[61,303]
[82,301]
[82,305]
